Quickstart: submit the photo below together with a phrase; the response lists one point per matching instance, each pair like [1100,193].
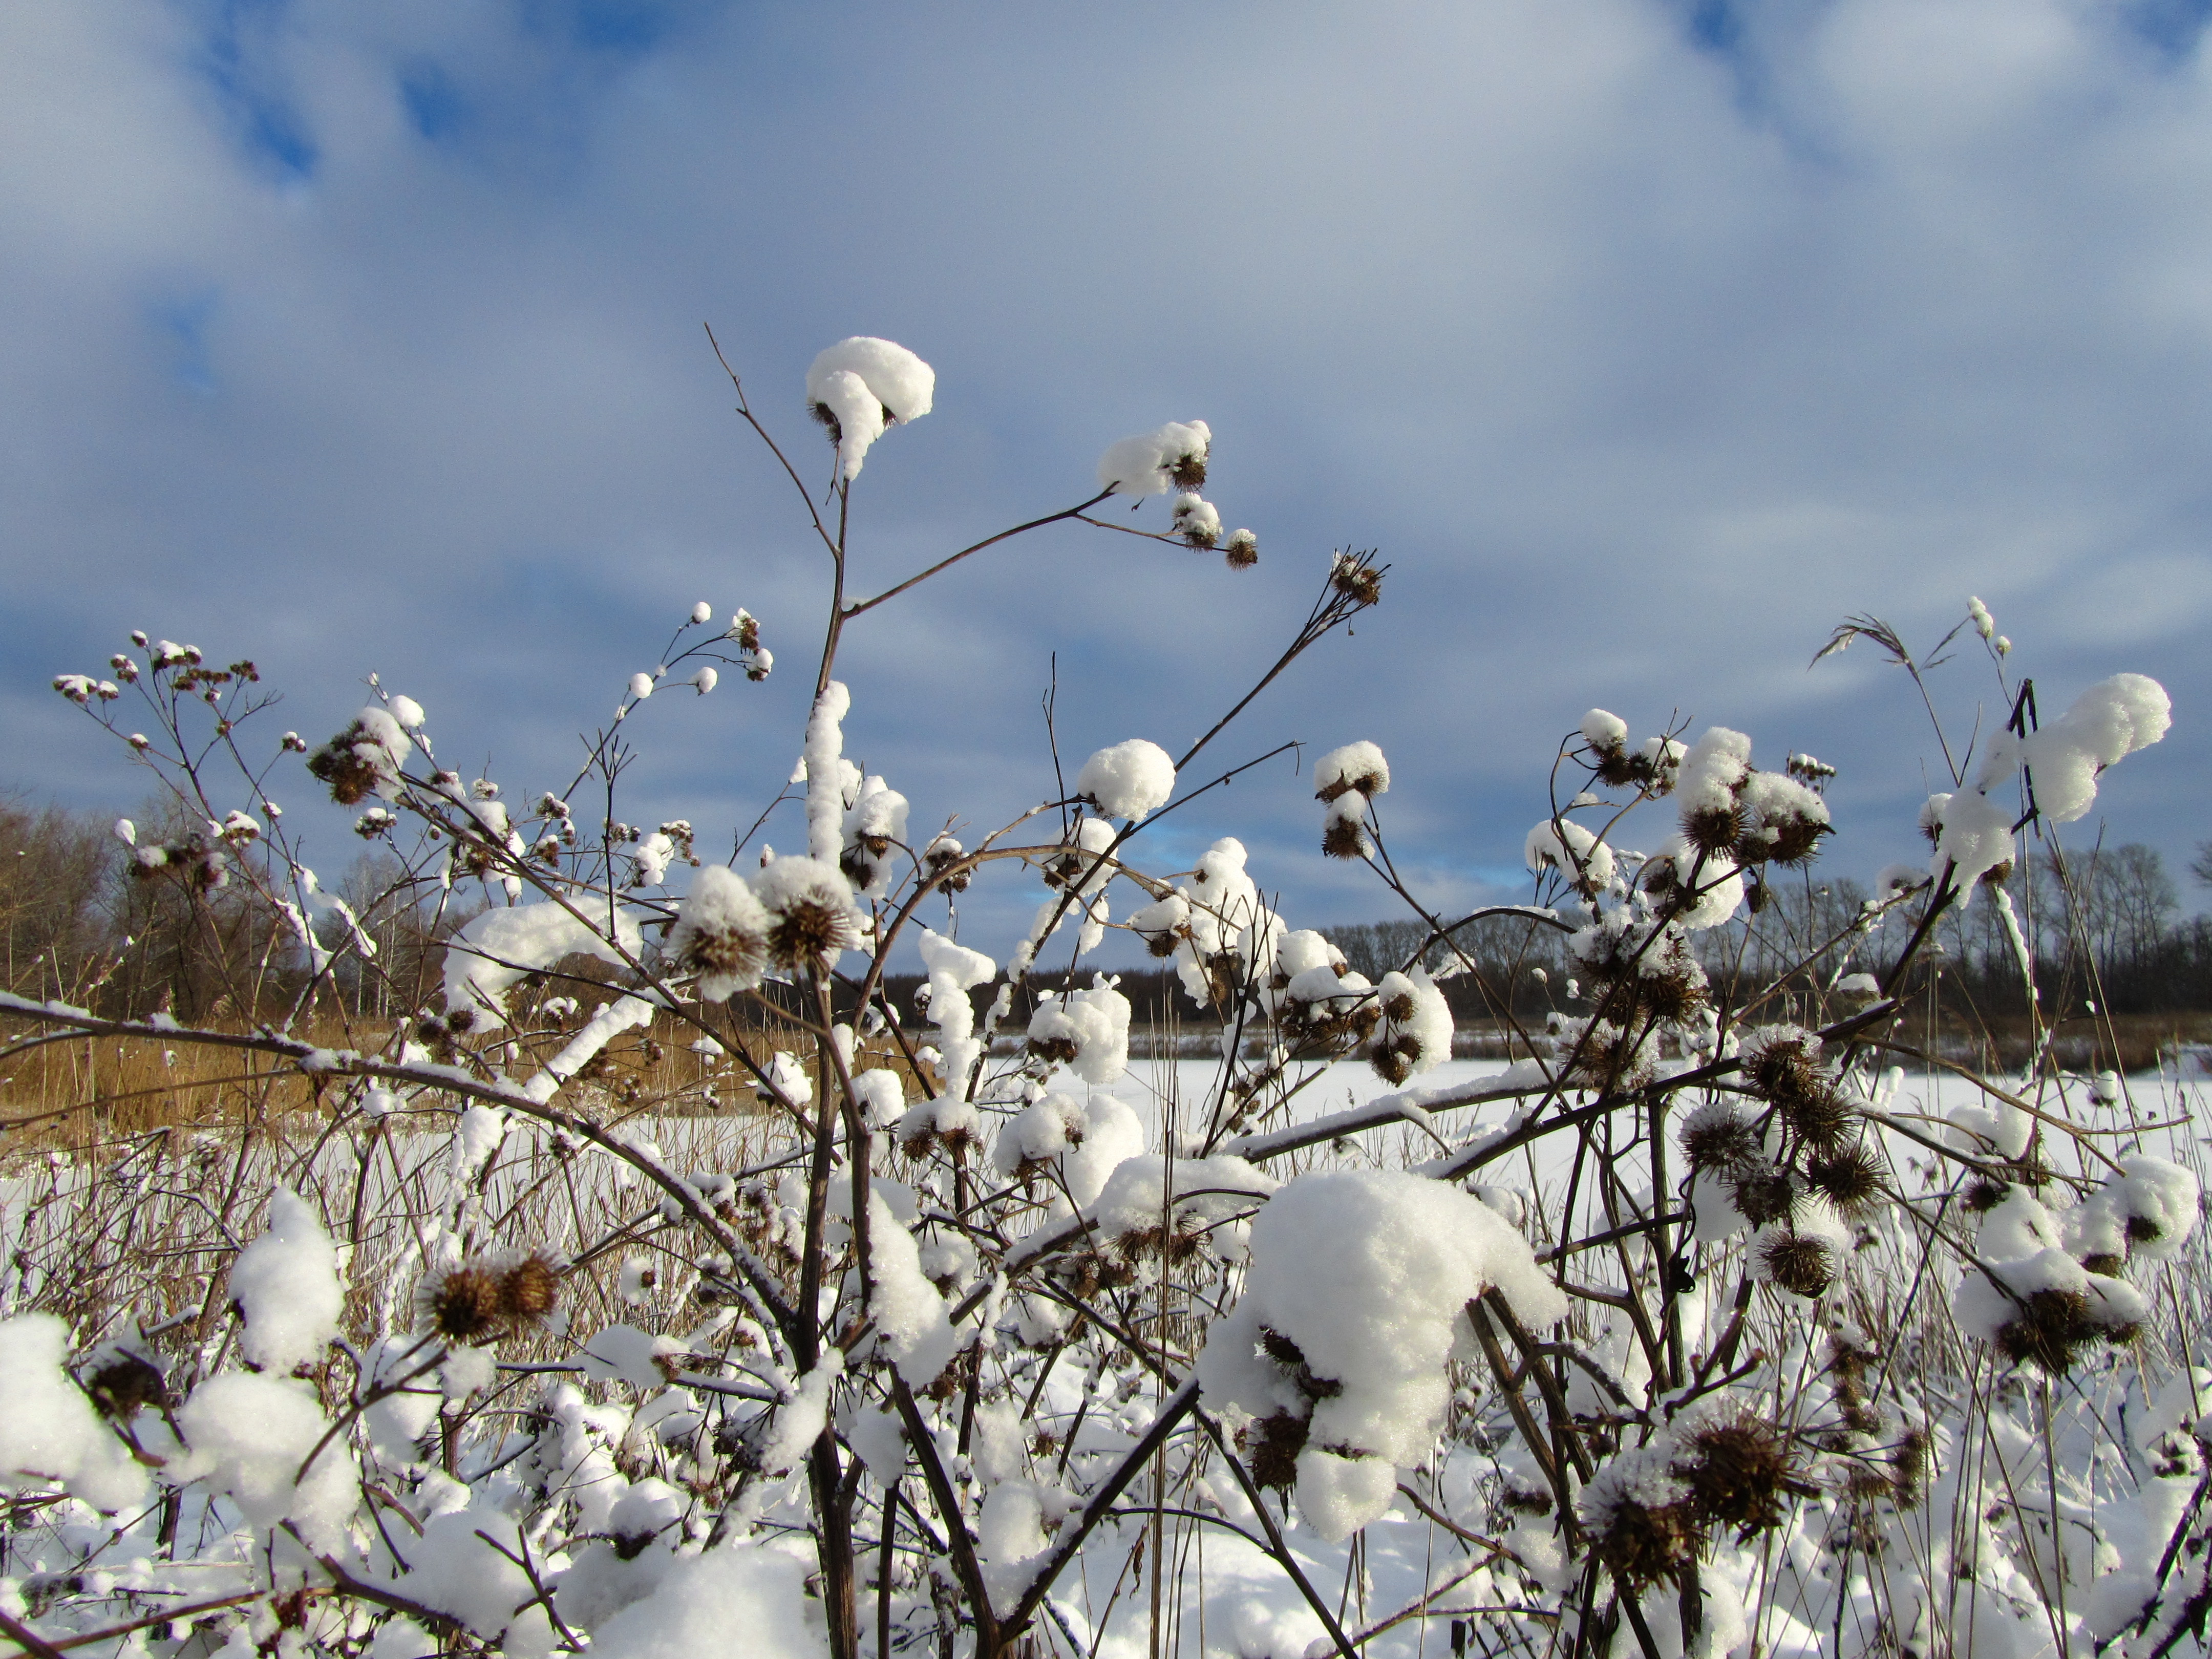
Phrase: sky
[1647,340]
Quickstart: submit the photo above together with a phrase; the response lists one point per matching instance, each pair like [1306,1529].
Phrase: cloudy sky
[1646,340]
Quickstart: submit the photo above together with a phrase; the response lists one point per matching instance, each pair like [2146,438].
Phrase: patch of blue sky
[2171,27]
[179,322]
[624,28]
[268,127]
[436,106]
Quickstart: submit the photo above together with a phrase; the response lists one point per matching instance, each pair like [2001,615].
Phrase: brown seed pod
[1645,1545]
[462,1304]
[1713,829]
[1804,1266]
[1849,1179]
[529,1290]
[1738,1472]
[124,1384]
[1715,1138]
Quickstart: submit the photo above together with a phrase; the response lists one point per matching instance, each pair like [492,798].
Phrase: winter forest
[465,1196]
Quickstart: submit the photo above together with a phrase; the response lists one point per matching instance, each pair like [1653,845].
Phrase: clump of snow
[1088,1029]
[863,385]
[1416,1032]
[1601,730]
[954,970]
[1358,766]
[1083,1141]
[248,1433]
[740,1603]
[1196,519]
[1362,1278]
[495,952]
[48,1430]
[1711,772]
[286,1284]
[1562,844]
[810,917]
[720,934]
[1973,836]
[2108,722]
[910,1315]
[2152,1203]
[462,1575]
[1152,462]
[1129,779]
[874,826]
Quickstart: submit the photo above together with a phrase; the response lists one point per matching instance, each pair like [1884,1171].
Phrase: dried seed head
[462,1304]
[1822,1117]
[340,766]
[529,1290]
[1343,838]
[1763,1194]
[2051,1323]
[1645,1545]
[1737,1472]
[1713,829]
[1715,1138]
[1849,1179]
[122,1383]
[1242,550]
[1804,1267]
[1271,1446]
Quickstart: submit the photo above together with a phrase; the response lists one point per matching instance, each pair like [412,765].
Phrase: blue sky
[1647,338]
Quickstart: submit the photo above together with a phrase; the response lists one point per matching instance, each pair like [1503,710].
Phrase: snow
[48,1430]
[623,1353]
[248,1433]
[863,384]
[460,1573]
[1129,779]
[286,1284]
[732,1603]
[2109,722]
[825,770]
[495,951]
[407,712]
[899,380]
[1358,766]
[1083,1141]
[1711,772]
[1368,1273]
[1195,519]
[622,1014]
[875,829]
[721,934]
[1417,1023]
[1148,463]
[1601,730]
[910,1313]
[1565,846]
[1095,1021]
[641,687]
[1974,836]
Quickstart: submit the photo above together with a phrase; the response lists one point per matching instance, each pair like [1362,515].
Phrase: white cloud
[1641,363]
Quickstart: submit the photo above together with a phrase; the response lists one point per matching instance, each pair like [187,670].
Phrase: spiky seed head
[462,1304]
[1715,1138]
[1646,1544]
[2050,1325]
[1343,838]
[1737,1472]
[1849,1179]
[529,1290]
[1713,829]
[124,1384]
[1804,1267]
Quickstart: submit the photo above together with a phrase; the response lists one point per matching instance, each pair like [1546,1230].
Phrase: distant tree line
[81,920]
